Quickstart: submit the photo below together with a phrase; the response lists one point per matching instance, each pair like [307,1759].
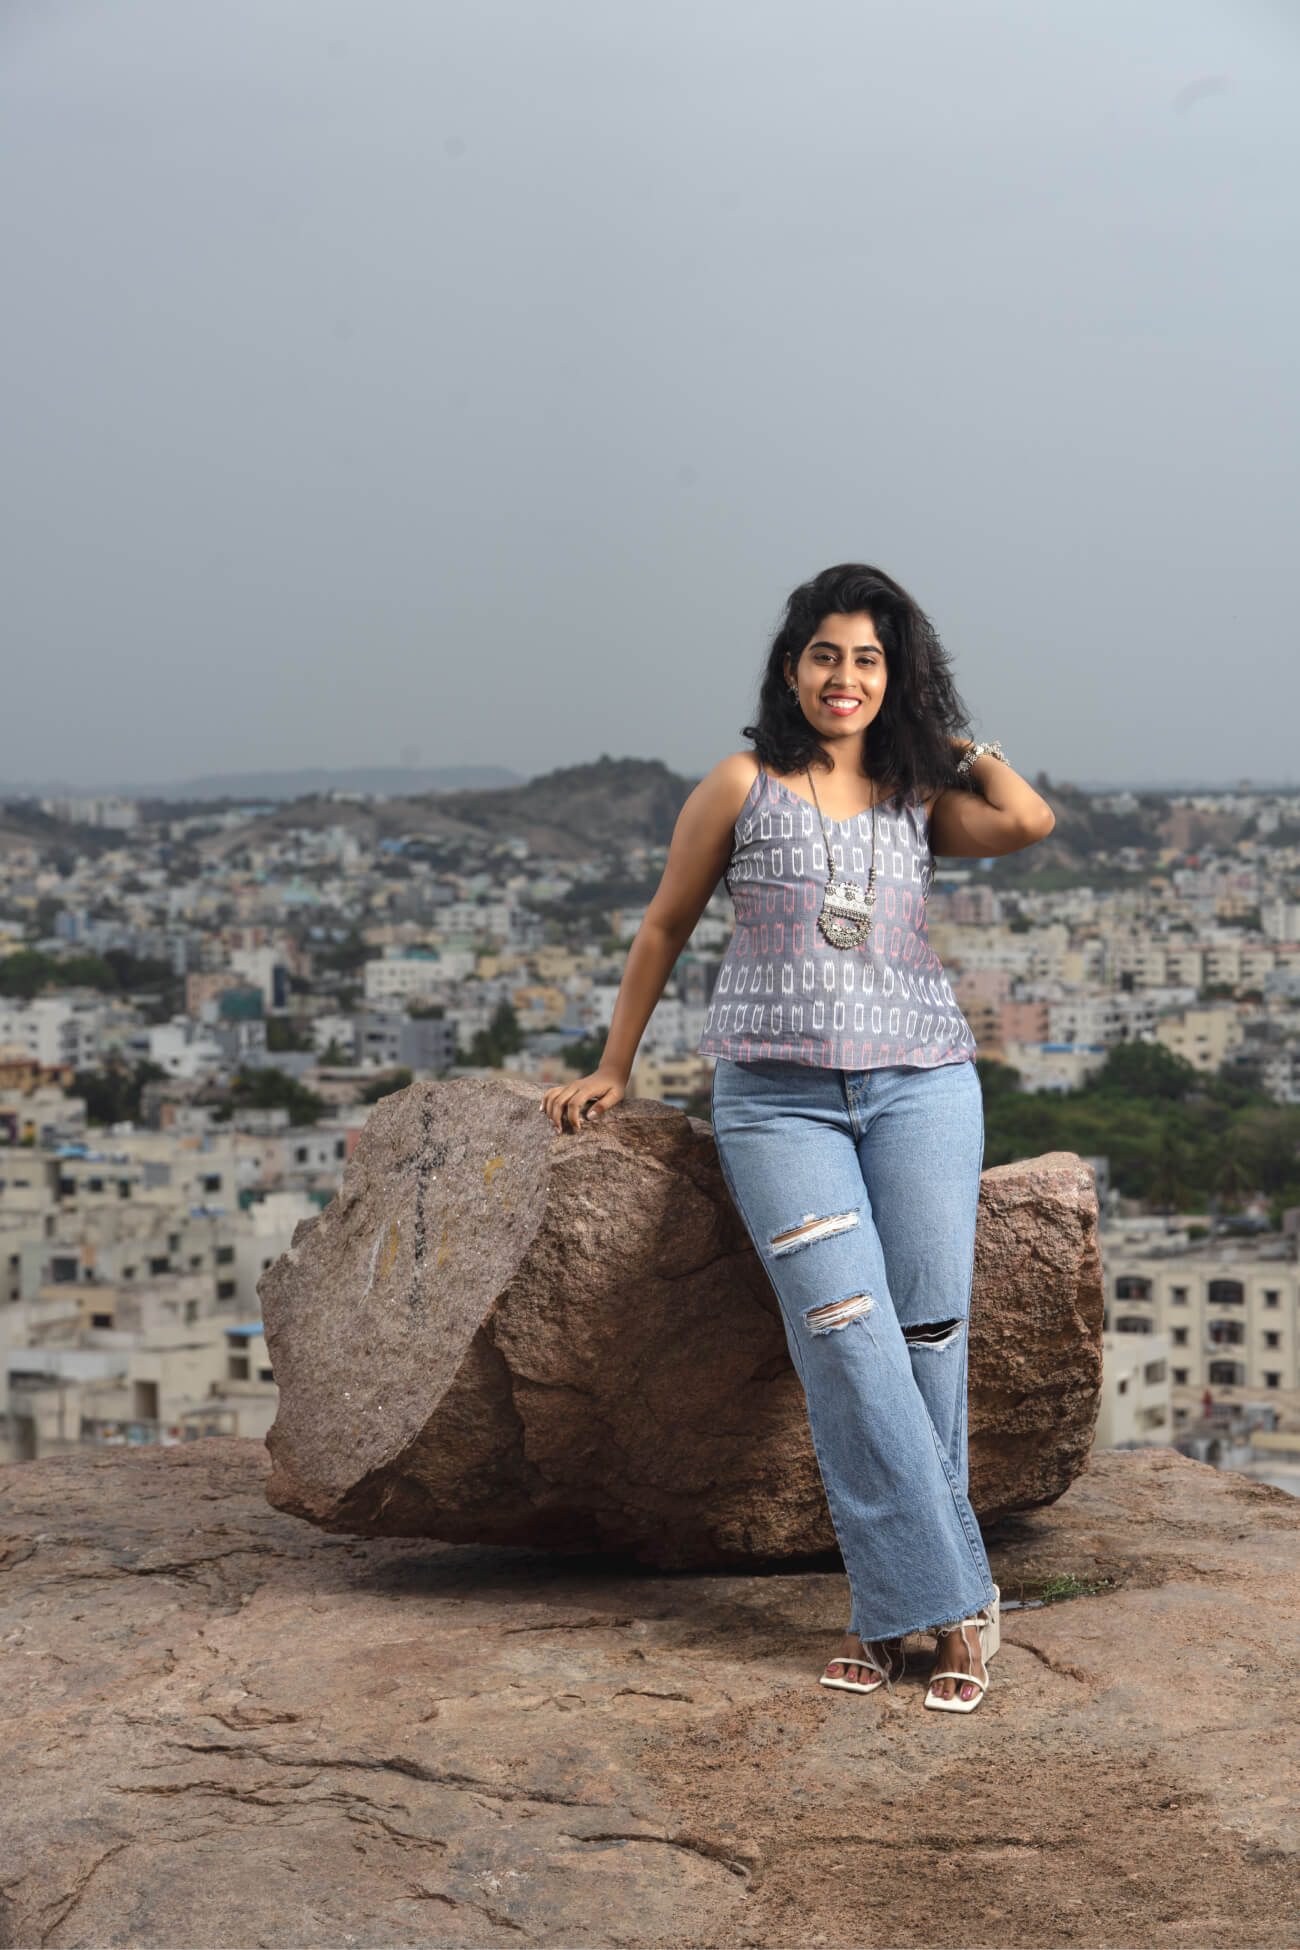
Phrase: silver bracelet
[967,759]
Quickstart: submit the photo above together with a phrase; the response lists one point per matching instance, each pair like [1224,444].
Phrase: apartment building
[161,1365]
[1230,1312]
[129,1276]
[671,1079]
[418,973]
[201,988]
[500,919]
[1023,1022]
[1136,1394]
[156,1206]
[1281,920]
[1054,1066]
[1117,1016]
[36,1112]
[386,1038]
[985,1019]
[539,1005]
[674,1028]
[1157,961]
[56,1031]
[1202,1037]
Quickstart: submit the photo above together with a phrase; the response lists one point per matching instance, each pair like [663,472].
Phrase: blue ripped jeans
[859,1189]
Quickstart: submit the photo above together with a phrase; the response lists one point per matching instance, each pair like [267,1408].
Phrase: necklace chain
[848,908]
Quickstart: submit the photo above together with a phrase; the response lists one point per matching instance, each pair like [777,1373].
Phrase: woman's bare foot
[862,1661]
[958,1651]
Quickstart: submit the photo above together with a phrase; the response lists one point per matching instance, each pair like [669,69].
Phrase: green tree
[85,972]
[343,956]
[385,1085]
[997,1079]
[112,1092]
[500,1039]
[1147,1070]
[1231,1180]
[139,971]
[584,1055]
[1168,1187]
[283,1035]
[26,973]
[274,1090]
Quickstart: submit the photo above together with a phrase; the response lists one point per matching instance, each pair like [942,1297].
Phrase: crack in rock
[595,1621]
[497,1916]
[79,1888]
[743,1859]
[392,1764]
[1058,1666]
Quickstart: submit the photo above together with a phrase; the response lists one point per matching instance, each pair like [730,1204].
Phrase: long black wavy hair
[908,743]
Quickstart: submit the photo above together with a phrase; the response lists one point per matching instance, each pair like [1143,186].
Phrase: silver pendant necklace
[848,908]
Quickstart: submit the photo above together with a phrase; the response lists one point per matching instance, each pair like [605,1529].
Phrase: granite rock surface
[496,1333]
[224,1729]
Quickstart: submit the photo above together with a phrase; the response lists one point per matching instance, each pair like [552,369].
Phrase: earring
[794,691]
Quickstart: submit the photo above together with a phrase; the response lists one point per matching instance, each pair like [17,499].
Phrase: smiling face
[841,676]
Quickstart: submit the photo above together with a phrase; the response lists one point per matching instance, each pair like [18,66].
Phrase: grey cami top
[782,992]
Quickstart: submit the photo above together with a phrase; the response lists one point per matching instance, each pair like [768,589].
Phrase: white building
[55,1030]
[257,966]
[499,919]
[334,1029]
[417,974]
[674,1028]
[1280,920]
[1054,1066]
[182,1047]
[1229,1311]
[1107,1018]
[119,815]
[1136,1396]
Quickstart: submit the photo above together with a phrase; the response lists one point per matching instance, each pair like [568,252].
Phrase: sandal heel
[990,1626]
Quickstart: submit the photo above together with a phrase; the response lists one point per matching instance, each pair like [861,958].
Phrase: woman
[846,1104]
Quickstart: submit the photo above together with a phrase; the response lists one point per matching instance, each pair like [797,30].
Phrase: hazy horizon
[470,385]
[407,783]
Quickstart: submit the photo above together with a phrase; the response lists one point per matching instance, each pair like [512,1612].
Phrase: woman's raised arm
[697,859]
[1002,815]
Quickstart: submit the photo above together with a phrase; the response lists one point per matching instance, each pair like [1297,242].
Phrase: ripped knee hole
[811,1229]
[936,1333]
[837,1313]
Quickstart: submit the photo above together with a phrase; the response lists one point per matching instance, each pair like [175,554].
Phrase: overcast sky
[471,380]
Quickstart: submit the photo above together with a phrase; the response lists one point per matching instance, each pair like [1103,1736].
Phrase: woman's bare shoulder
[729,783]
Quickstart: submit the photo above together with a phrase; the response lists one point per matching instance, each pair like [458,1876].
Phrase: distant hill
[615,801]
[579,812]
[390,780]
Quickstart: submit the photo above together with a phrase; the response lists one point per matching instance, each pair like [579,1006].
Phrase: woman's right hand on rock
[569,1105]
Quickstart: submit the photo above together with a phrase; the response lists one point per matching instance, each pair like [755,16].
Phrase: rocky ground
[223,1728]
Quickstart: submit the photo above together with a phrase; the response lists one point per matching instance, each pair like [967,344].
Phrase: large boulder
[498,1334]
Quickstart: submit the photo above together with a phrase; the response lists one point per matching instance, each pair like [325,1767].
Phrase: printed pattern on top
[782,992]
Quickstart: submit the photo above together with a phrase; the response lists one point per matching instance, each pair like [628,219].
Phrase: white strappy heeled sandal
[989,1631]
[846,1685]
